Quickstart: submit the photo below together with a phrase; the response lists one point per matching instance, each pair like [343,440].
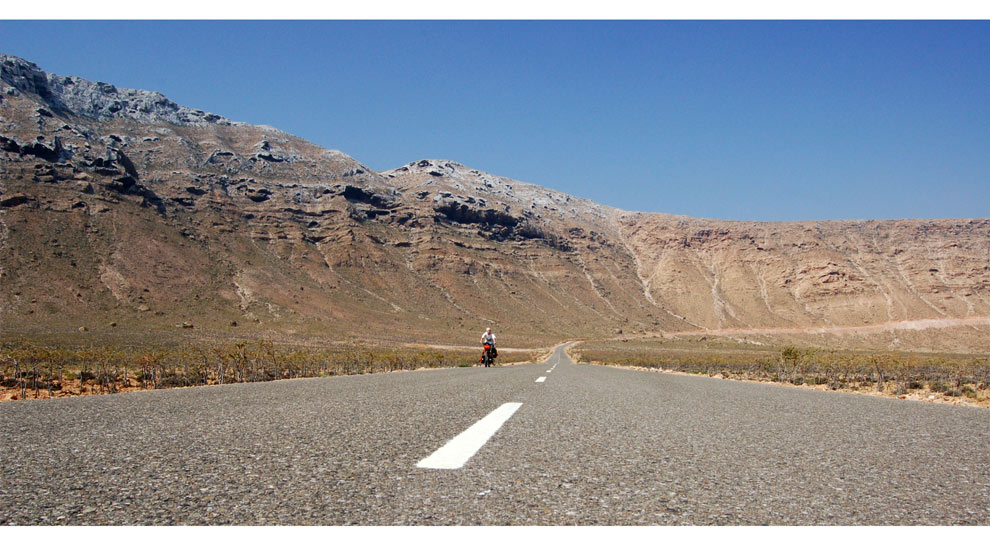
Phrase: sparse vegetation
[888,373]
[31,371]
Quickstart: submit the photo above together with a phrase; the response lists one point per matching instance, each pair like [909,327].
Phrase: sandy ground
[70,388]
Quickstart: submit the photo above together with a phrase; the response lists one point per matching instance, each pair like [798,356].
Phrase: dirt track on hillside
[909,325]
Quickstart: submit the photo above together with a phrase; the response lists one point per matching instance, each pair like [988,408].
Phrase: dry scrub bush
[29,368]
[885,372]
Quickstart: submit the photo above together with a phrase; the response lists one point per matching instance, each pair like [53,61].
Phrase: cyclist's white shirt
[487,336]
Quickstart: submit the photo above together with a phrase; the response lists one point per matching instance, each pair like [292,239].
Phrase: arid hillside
[903,278]
[125,213]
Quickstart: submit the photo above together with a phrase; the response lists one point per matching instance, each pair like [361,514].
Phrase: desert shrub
[886,372]
[29,368]
[789,364]
[172,379]
[981,371]
[882,367]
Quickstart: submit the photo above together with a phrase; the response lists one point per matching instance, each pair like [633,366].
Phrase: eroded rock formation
[121,204]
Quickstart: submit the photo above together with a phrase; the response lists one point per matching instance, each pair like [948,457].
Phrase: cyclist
[488,338]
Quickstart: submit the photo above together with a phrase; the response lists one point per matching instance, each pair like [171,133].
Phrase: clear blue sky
[734,120]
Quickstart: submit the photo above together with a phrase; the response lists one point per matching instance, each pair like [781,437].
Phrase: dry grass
[950,376]
[32,371]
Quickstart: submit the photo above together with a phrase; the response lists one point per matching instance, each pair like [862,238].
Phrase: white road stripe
[541,379]
[462,447]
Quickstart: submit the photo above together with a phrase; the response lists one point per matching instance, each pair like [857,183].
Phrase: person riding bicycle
[488,339]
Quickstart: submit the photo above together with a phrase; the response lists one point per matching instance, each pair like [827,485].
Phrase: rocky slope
[120,206]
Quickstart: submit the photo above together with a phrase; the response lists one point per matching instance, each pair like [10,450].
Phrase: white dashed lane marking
[462,447]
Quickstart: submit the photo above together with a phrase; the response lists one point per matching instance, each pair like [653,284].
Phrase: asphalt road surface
[587,445]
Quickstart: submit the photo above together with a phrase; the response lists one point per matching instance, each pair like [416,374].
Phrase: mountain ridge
[146,213]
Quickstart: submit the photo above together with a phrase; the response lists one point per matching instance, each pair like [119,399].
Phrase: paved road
[588,445]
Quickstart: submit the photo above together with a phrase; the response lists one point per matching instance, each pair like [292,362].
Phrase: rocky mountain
[121,206]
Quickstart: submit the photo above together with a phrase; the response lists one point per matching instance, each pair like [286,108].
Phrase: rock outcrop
[96,101]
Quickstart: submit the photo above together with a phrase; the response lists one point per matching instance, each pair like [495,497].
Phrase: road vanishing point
[552,443]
